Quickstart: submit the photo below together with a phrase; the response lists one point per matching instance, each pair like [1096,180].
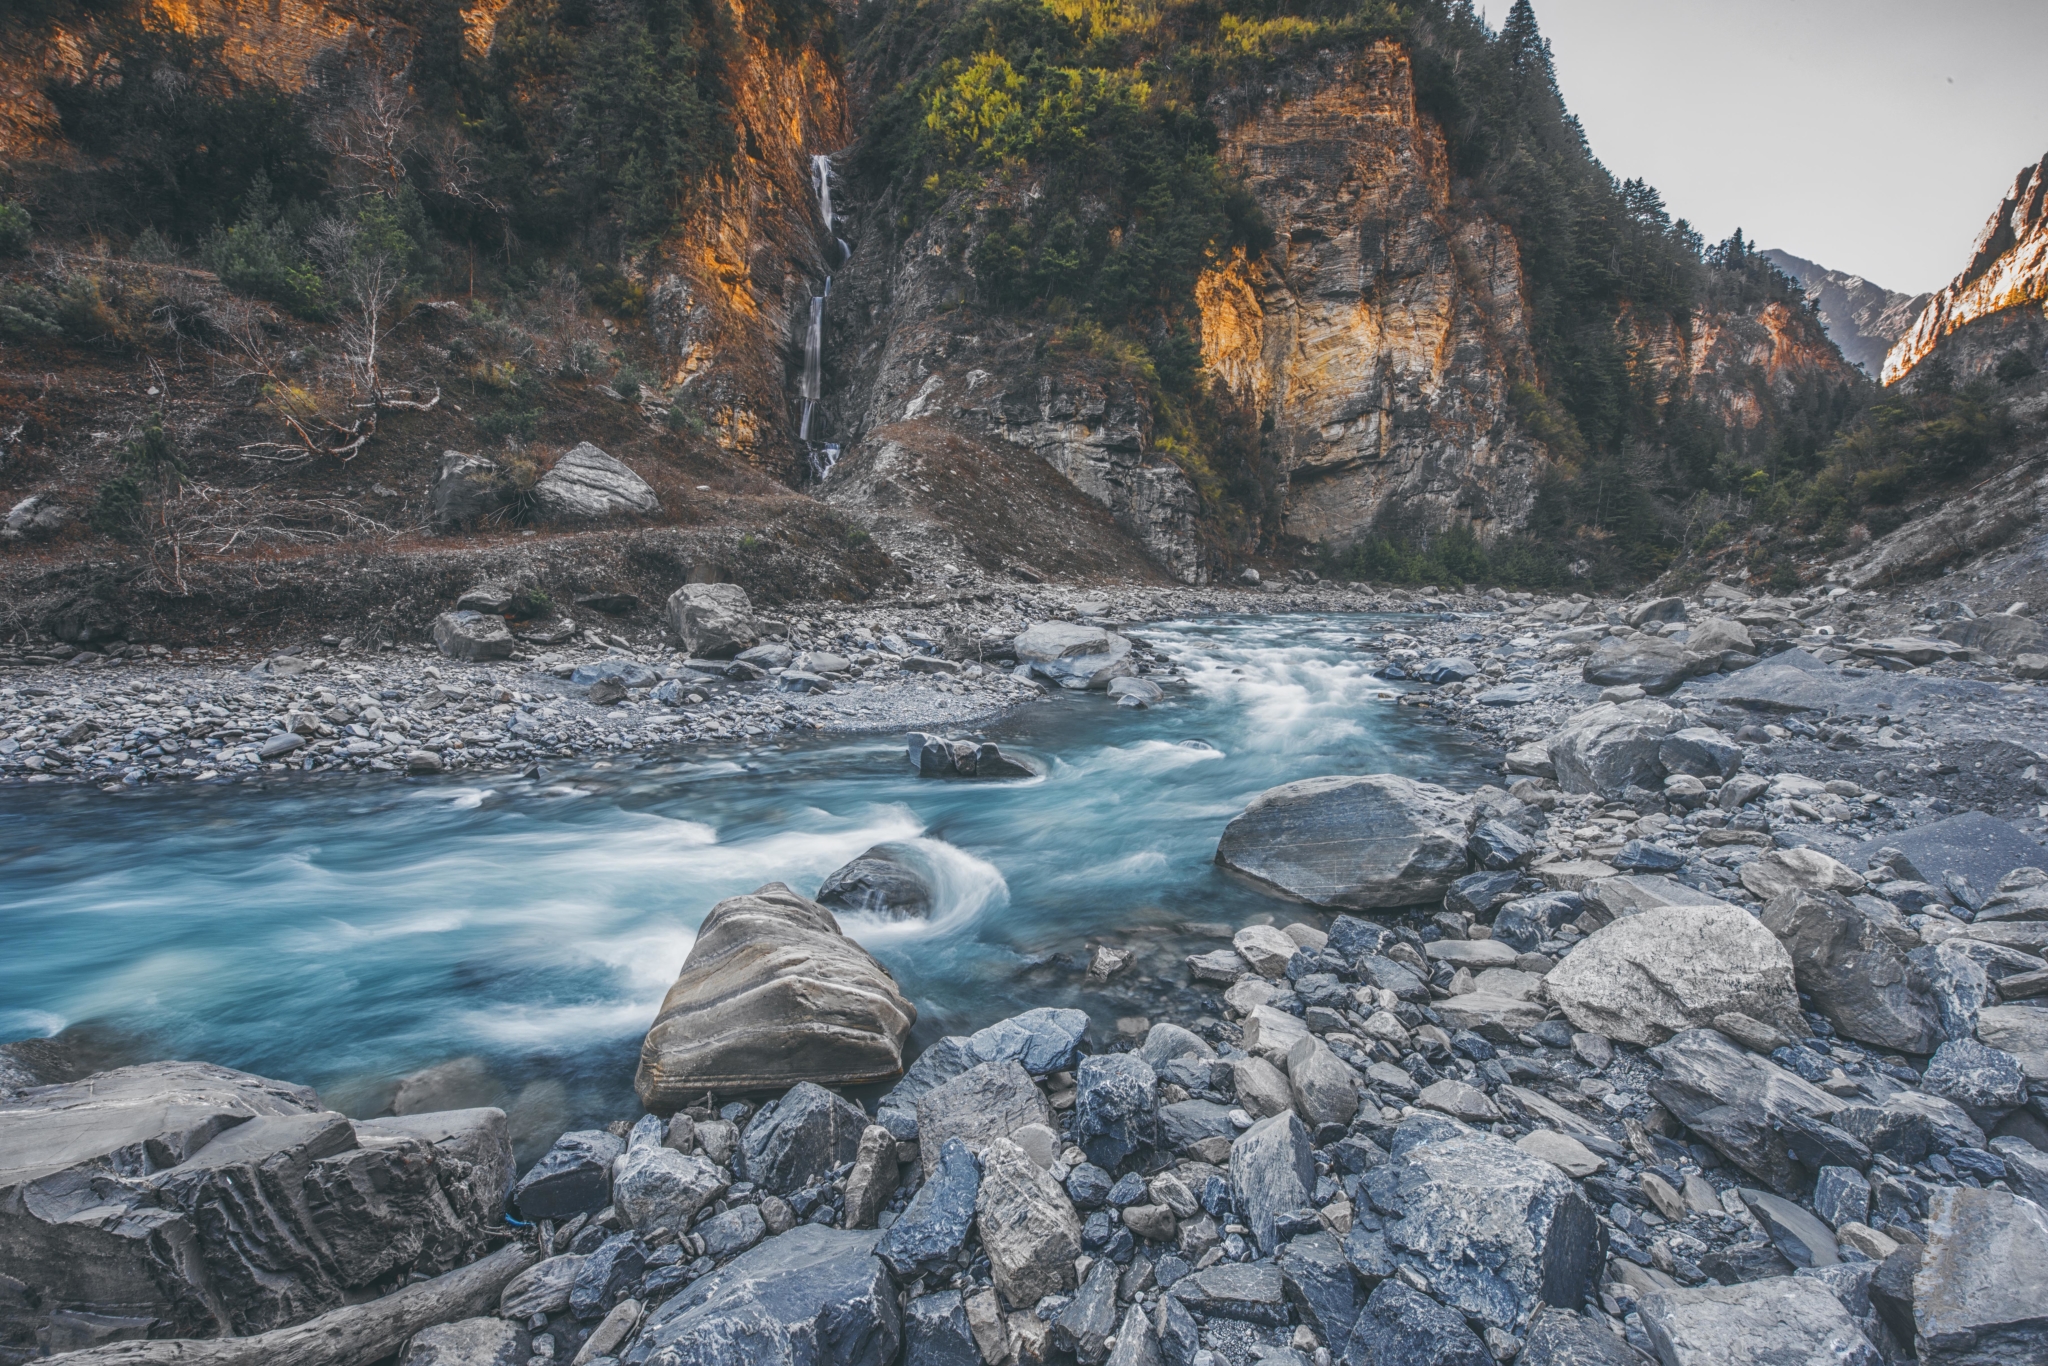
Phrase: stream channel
[345,933]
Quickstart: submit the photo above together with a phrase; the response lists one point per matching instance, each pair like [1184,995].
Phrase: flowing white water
[344,933]
[822,456]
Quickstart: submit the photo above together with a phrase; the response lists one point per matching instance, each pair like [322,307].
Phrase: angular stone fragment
[936,1331]
[1648,976]
[656,1187]
[772,994]
[1358,842]
[1613,746]
[1073,655]
[2021,1031]
[1272,1176]
[1986,1082]
[932,1230]
[573,1177]
[1978,1298]
[1853,963]
[472,635]
[1250,1292]
[1745,1107]
[732,1232]
[587,485]
[1086,1325]
[1557,1337]
[468,1342]
[1781,1321]
[713,620]
[1116,1108]
[1319,1284]
[944,1060]
[1399,1324]
[1652,663]
[1779,871]
[1028,1226]
[1497,1231]
[812,1294]
[1041,1041]
[542,1288]
[1325,1089]
[873,1178]
[984,1103]
[797,1140]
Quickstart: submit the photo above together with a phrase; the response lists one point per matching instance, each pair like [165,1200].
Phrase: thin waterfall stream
[822,455]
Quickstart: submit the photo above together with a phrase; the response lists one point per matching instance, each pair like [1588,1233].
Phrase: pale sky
[1871,137]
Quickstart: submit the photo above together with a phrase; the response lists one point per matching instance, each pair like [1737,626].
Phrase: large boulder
[1746,1108]
[2021,1030]
[187,1200]
[797,1140]
[1653,663]
[1041,1041]
[1778,1321]
[1853,963]
[713,620]
[812,1294]
[1980,1297]
[473,1148]
[1073,655]
[657,1186]
[1358,842]
[467,490]
[883,882]
[586,485]
[1028,1226]
[1648,976]
[1977,848]
[1613,746]
[772,994]
[1498,1232]
[1779,871]
[472,635]
[2001,635]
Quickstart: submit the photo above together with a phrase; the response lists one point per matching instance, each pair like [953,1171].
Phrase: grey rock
[1324,1088]
[944,1060]
[573,1177]
[1496,846]
[472,1147]
[932,1230]
[1317,1279]
[1179,1336]
[542,1288]
[1073,655]
[1612,898]
[1250,1292]
[2026,1167]
[986,1102]
[1557,1337]
[1652,663]
[809,1295]
[1648,976]
[936,1332]
[1776,1322]
[1364,842]
[1136,1343]
[1497,1231]
[1399,1324]
[1981,849]
[1042,1041]
[1841,1196]
[1743,1106]
[1856,967]
[468,1342]
[1272,1177]
[472,635]
[1116,1108]
[1657,609]
[1164,1042]
[612,1269]
[713,620]
[873,1178]
[772,994]
[629,672]
[884,881]
[586,485]
[1701,751]
[1028,1227]
[1909,1125]
[1088,1322]
[1977,1297]
[2019,1030]
[797,1140]
[1613,746]
[1986,1082]
[466,490]
[1960,986]
[655,1186]
[732,1232]
[1525,923]
[1802,1239]
[1188,1122]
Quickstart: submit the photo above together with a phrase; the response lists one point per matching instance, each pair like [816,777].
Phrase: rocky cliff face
[1380,337]
[2005,286]
[1862,318]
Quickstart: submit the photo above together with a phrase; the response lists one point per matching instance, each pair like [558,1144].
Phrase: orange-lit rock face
[1732,363]
[1382,332]
[2008,269]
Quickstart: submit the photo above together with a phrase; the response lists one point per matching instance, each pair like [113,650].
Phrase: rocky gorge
[1677,1042]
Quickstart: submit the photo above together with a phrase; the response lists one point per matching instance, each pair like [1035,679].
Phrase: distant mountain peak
[1862,318]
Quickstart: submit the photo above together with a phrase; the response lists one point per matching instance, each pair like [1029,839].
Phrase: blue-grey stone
[1475,893]
[1639,856]
[1116,1108]
[1400,1324]
[1128,1190]
[932,1231]
[812,1294]
[1190,1121]
[935,1331]
[1251,1292]
[607,1274]
[1497,846]
[1511,695]
[799,1139]
[573,1177]
[1088,1186]
[940,1063]
[732,1232]
[1841,1196]
[629,672]
[1350,937]
[1044,1041]
[1318,1283]
[1986,1082]
[1272,1177]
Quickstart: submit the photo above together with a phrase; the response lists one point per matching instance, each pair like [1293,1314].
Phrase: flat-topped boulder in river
[771,994]
[1073,655]
[1357,842]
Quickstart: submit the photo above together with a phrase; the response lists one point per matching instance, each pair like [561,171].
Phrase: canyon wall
[1864,319]
[2001,296]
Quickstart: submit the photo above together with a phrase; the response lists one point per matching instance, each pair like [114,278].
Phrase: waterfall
[823,455]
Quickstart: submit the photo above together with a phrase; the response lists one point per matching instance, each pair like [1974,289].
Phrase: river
[346,932]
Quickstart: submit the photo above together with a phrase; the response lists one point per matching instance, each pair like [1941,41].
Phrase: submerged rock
[880,882]
[772,994]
